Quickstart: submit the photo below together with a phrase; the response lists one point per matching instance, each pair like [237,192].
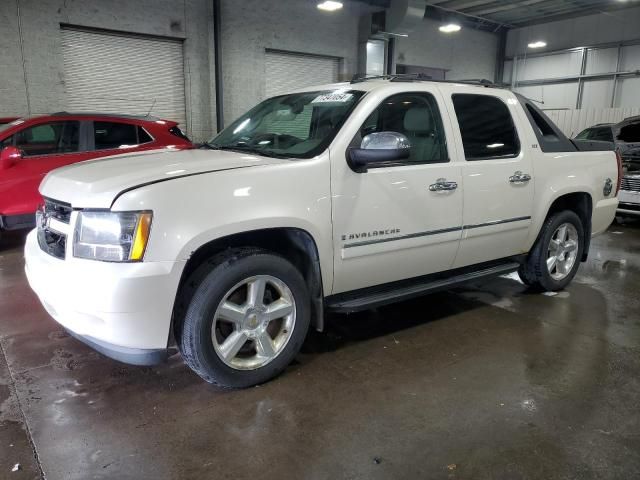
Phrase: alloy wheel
[562,251]
[254,322]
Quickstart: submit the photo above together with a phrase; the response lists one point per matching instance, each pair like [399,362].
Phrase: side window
[416,116]
[49,138]
[602,134]
[486,127]
[109,135]
[143,136]
[6,142]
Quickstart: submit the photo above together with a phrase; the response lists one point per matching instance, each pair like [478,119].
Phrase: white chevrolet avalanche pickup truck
[341,197]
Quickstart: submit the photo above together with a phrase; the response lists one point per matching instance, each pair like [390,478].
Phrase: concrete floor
[486,382]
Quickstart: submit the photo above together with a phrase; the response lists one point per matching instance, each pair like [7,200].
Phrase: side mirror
[9,156]
[379,148]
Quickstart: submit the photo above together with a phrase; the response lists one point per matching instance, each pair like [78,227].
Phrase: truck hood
[97,183]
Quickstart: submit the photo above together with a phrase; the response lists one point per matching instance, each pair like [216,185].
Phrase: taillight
[620,172]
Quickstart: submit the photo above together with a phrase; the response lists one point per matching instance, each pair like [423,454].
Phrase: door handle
[519,177]
[442,185]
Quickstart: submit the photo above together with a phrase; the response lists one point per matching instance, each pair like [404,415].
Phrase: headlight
[112,236]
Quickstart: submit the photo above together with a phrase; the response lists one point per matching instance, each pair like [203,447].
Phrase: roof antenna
[151,108]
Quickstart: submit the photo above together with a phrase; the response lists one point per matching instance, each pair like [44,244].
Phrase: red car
[5,120]
[32,147]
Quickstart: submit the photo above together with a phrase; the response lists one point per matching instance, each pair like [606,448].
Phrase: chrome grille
[630,184]
[51,241]
[58,210]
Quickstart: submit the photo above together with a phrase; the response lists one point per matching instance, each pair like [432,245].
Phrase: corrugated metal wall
[124,74]
[286,71]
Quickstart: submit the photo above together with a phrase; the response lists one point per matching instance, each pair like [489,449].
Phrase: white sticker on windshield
[335,97]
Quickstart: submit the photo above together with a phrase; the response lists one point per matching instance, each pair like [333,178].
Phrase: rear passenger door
[497,177]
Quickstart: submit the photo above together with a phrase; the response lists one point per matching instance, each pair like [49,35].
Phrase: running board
[377,296]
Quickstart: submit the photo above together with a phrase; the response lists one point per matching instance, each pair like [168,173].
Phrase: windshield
[299,125]
[603,134]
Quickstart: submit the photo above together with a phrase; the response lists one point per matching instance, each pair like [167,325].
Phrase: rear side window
[108,135]
[49,139]
[486,127]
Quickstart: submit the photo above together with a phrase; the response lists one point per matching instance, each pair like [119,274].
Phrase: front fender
[192,211]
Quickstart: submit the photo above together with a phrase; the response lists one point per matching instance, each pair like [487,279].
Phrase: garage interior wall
[584,74]
[252,27]
[41,41]
[466,54]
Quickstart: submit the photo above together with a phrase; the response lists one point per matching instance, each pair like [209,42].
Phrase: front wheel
[246,318]
[555,257]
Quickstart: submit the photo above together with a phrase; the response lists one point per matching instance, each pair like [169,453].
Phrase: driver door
[390,223]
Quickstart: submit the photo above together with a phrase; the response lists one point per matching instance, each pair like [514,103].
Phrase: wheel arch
[295,244]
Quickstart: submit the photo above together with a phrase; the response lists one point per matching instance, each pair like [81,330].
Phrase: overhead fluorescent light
[330,6]
[450,28]
[538,44]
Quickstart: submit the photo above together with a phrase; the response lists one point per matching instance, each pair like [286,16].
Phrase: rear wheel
[555,257]
[246,318]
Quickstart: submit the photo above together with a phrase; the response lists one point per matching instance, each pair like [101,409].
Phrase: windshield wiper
[246,149]
[208,146]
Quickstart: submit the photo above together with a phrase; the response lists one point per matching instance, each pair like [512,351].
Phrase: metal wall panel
[628,92]
[559,95]
[630,59]
[602,60]
[549,66]
[597,93]
[285,71]
[115,73]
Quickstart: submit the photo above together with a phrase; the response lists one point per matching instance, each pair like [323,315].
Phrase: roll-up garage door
[289,71]
[115,73]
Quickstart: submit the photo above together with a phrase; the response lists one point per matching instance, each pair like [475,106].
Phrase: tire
[222,303]
[535,272]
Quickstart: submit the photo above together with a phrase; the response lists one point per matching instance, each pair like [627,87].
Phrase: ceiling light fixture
[538,44]
[329,6]
[450,28]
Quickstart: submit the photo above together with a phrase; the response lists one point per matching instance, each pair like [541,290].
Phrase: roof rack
[421,77]
[359,78]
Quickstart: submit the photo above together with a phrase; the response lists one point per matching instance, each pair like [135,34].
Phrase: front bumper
[629,202]
[122,310]
[17,222]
